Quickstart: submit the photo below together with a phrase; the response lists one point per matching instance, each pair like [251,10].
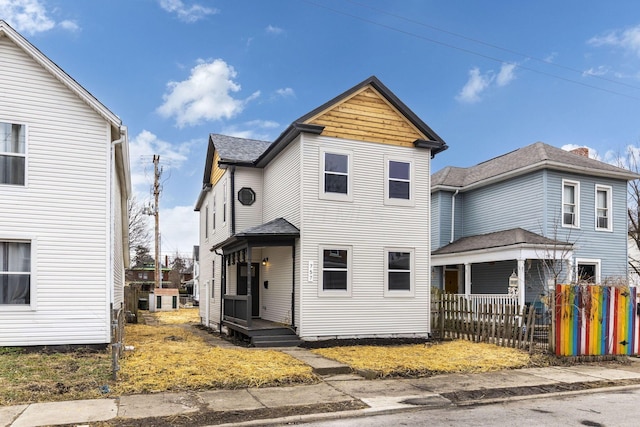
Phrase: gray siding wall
[518,202]
[610,247]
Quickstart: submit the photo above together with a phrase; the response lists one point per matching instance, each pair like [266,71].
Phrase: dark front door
[255,286]
[451,281]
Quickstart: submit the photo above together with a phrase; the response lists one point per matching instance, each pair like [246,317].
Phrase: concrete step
[275,342]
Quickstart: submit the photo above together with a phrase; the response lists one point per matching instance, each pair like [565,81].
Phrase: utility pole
[155,211]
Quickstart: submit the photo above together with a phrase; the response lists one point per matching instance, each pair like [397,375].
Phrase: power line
[471,52]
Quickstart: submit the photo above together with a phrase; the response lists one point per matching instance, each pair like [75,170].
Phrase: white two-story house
[64,186]
[324,232]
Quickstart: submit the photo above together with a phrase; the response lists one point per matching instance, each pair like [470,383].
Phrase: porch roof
[516,243]
[278,232]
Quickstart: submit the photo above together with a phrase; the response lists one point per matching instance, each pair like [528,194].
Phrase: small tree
[139,231]
[178,266]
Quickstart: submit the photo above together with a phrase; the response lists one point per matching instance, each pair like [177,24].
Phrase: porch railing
[236,309]
[478,300]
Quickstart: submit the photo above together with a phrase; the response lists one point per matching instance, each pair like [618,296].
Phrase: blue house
[531,217]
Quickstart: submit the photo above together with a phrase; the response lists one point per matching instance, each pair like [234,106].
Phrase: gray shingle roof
[235,149]
[277,227]
[524,159]
[497,239]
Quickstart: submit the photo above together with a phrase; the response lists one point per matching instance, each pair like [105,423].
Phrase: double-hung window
[603,208]
[399,272]
[15,273]
[398,181]
[570,204]
[213,217]
[336,175]
[12,154]
[206,222]
[224,202]
[336,274]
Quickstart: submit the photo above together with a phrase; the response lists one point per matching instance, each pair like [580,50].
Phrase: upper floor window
[335,264]
[224,202]
[398,181]
[12,154]
[399,272]
[570,204]
[15,273]
[336,180]
[206,222]
[603,208]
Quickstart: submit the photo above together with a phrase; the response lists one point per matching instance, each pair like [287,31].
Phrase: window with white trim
[15,273]
[588,270]
[335,276]
[206,221]
[336,176]
[13,157]
[224,202]
[570,204]
[398,186]
[603,208]
[399,272]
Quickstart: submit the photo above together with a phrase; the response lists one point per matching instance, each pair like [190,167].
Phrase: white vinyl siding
[248,215]
[276,297]
[282,186]
[603,213]
[367,226]
[66,207]
[570,204]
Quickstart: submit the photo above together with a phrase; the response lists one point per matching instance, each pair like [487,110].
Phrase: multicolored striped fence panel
[596,320]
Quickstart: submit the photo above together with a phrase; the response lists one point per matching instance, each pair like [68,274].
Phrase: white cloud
[179,227]
[286,92]
[205,95]
[628,39]
[274,30]
[600,71]
[185,13]
[254,129]
[474,87]
[478,82]
[69,25]
[141,150]
[506,74]
[28,16]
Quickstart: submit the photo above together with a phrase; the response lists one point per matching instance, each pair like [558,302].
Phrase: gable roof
[7,31]
[304,123]
[523,160]
[514,236]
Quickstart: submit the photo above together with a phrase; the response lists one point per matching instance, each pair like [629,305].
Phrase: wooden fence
[454,316]
[596,320]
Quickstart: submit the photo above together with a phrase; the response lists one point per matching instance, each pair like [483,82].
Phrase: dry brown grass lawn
[427,359]
[170,356]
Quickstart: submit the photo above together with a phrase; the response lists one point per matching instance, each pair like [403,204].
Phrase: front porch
[251,306]
[511,266]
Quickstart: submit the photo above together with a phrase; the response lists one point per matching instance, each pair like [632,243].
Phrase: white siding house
[64,185]
[333,217]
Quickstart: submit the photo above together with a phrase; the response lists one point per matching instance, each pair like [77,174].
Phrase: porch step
[276,338]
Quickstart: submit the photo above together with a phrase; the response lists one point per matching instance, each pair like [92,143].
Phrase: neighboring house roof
[523,160]
[7,31]
[514,236]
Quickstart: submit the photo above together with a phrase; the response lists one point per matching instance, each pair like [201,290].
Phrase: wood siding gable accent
[216,170]
[367,116]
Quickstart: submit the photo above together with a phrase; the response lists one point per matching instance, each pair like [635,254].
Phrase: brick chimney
[581,151]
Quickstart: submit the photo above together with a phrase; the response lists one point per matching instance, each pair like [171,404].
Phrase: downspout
[223,279]
[233,201]
[453,215]
[293,286]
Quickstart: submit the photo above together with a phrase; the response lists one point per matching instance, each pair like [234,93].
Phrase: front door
[255,286]
[451,281]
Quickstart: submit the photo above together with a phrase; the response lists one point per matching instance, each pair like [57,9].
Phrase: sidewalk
[340,394]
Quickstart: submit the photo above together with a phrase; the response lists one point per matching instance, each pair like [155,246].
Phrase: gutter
[205,189]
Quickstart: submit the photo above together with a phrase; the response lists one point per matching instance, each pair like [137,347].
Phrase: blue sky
[488,77]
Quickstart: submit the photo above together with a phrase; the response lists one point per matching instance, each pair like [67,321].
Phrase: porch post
[521,288]
[249,302]
[569,271]
[467,280]
[223,288]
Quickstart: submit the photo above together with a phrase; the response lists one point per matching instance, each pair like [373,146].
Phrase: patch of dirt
[506,392]
[231,417]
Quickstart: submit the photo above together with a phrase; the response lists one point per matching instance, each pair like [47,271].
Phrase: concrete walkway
[340,388]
